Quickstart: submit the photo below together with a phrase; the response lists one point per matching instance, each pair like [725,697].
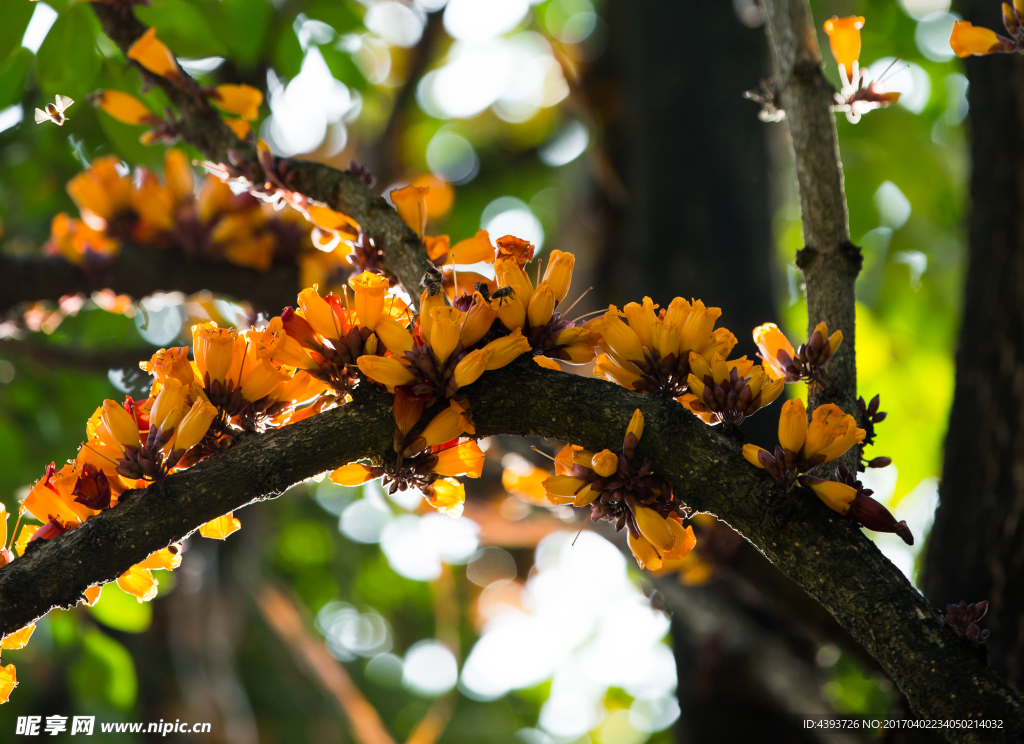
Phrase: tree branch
[942,676]
[830,263]
[139,271]
[344,191]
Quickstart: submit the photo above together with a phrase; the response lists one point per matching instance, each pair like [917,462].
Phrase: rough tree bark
[139,271]
[826,555]
[830,263]
[976,549]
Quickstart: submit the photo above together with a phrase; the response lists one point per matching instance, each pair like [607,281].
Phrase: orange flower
[221,527]
[138,582]
[369,289]
[968,39]
[353,474]
[447,495]
[473,250]
[18,639]
[154,55]
[411,203]
[8,681]
[241,100]
[240,127]
[125,108]
[463,459]
[844,38]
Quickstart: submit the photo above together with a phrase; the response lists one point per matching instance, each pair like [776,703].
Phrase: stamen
[581,531]
[564,312]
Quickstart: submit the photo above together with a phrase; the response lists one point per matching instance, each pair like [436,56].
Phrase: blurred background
[616,130]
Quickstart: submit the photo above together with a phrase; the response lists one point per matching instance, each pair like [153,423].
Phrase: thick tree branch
[344,191]
[942,676]
[140,271]
[830,263]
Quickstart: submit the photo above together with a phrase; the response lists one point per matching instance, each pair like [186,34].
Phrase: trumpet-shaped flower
[844,38]
[154,55]
[783,362]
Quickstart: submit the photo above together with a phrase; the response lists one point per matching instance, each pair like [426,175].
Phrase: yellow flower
[168,406]
[395,336]
[654,527]
[443,428]
[471,366]
[437,246]
[563,489]
[121,426]
[793,425]
[836,496]
[427,304]
[646,555]
[636,425]
[221,527]
[241,100]
[445,328]
[770,341]
[844,38]
[683,541]
[447,495]
[411,203]
[18,639]
[170,364]
[318,313]
[508,273]
[510,311]
[507,349]
[641,320]
[125,108]
[607,368]
[479,319]
[463,459]
[101,190]
[558,274]
[353,474]
[138,582]
[968,39]
[387,371]
[750,454]
[240,127]
[215,350]
[369,289]
[472,250]
[605,463]
[178,174]
[194,425]
[92,595]
[830,433]
[8,681]
[542,306]
[621,339]
[167,559]
[152,54]
[260,379]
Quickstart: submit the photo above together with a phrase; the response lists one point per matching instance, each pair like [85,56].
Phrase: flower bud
[121,426]
[507,273]
[752,454]
[471,366]
[194,425]
[385,370]
[479,319]
[396,338]
[168,406]
[835,495]
[605,463]
[875,516]
[353,474]
[542,305]
[445,328]
[214,349]
[641,319]
[511,312]
[508,349]
[318,314]
[558,274]
[619,336]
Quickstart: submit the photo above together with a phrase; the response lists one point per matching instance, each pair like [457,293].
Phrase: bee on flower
[803,446]
[783,362]
[651,353]
[627,493]
[858,94]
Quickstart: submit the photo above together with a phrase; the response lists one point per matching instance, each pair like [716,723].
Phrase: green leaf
[105,672]
[16,17]
[342,16]
[121,611]
[343,68]
[288,54]
[183,27]
[12,76]
[68,61]
[243,26]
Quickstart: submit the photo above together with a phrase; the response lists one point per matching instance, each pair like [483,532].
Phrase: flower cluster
[964,619]
[216,224]
[801,446]
[869,416]
[859,94]
[628,493]
[783,362]
[967,39]
[727,392]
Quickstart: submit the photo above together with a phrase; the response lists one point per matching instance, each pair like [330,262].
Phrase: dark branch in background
[343,191]
[139,271]
[830,263]
[942,676]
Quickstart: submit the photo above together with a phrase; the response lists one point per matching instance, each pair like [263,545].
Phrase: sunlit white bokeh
[11,116]
[159,318]
[480,20]
[43,16]
[919,9]
[585,626]
[450,156]
[429,669]
[304,108]
[350,633]
[893,206]
[397,23]
[906,78]
[508,215]
[932,36]
[567,145]
[916,507]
